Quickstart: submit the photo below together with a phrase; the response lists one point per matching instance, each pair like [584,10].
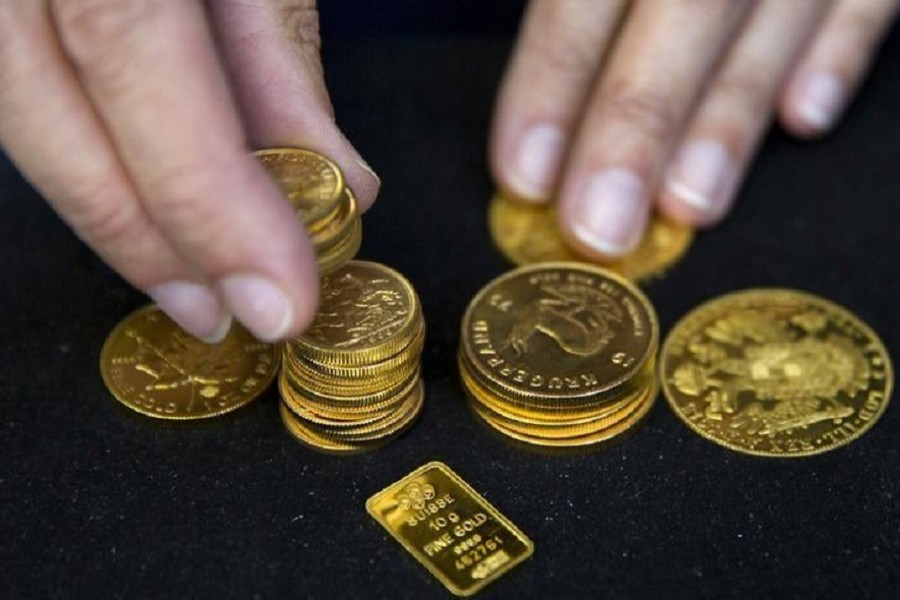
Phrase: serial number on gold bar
[448,527]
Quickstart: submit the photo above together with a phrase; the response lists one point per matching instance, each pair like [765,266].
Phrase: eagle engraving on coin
[577,317]
[769,378]
[355,310]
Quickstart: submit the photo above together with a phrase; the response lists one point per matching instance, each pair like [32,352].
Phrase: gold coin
[528,233]
[367,313]
[525,413]
[154,367]
[558,334]
[310,438]
[338,375]
[336,257]
[603,435]
[776,373]
[313,183]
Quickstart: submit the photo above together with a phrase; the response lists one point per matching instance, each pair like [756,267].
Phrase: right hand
[134,118]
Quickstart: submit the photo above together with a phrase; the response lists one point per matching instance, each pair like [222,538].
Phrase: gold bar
[448,527]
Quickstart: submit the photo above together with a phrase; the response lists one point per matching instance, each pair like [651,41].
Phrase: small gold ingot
[450,528]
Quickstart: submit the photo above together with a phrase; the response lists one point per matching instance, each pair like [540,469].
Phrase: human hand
[134,117]
[613,106]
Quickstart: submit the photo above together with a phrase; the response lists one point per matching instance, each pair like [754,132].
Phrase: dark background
[101,503]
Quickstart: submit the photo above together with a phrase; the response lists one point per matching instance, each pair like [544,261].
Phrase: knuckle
[94,30]
[107,222]
[644,110]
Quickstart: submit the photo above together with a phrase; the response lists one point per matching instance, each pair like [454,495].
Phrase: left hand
[614,106]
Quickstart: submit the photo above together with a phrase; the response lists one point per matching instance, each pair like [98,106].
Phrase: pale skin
[135,118]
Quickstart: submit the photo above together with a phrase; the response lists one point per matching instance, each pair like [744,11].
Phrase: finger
[50,130]
[833,67]
[272,51]
[151,71]
[556,58]
[733,116]
[658,68]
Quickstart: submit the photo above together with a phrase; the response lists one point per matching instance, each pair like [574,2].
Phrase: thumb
[271,49]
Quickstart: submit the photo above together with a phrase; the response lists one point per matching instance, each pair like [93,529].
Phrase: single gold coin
[367,313]
[528,233]
[313,183]
[775,372]
[557,334]
[154,367]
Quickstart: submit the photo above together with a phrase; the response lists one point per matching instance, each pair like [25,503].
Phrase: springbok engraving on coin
[577,317]
[769,377]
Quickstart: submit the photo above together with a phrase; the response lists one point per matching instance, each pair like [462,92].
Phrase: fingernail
[703,176]
[194,307]
[611,214]
[821,100]
[365,167]
[259,304]
[536,162]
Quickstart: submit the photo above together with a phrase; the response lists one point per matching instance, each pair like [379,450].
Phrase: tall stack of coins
[560,354]
[315,187]
[527,233]
[351,381]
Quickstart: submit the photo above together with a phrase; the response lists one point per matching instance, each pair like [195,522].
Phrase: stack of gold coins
[351,381]
[315,186]
[560,354]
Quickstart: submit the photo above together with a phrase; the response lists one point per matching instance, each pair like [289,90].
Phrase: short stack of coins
[351,381]
[560,355]
[327,207]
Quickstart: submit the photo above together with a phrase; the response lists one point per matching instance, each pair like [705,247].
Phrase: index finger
[153,75]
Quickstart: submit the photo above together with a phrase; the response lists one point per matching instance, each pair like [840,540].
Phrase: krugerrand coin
[154,367]
[559,354]
[776,372]
[528,233]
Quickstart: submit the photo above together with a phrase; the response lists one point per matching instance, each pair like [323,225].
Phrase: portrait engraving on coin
[783,374]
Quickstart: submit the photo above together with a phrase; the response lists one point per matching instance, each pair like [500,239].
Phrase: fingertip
[605,215]
[812,104]
[270,310]
[194,307]
[700,183]
[527,166]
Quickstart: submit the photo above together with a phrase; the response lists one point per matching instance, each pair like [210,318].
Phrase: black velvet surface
[100,503]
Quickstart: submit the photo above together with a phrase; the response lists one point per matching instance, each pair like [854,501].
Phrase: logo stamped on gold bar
[448,527]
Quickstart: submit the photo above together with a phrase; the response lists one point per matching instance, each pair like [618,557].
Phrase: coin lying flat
[528,233]
[154,367]
[775,372]
[557,332]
